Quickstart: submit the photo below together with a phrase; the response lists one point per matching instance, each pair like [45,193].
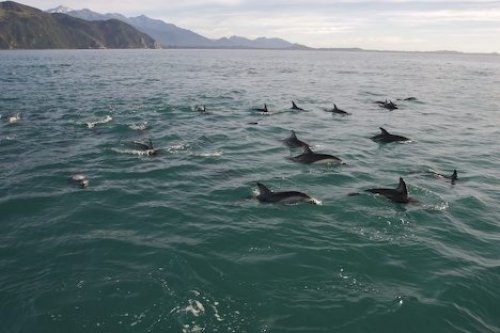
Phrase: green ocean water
[176,243]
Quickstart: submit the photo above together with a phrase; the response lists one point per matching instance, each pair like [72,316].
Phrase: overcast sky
[470,25]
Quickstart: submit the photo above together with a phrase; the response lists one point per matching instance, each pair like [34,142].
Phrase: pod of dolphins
[308,156]
[398,194]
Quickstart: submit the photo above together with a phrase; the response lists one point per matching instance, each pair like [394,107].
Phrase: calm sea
[176,243]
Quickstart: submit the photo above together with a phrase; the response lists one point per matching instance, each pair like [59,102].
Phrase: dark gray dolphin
[295,107]
[453,177]
[386,137]
[399,194]
[147,147]
[293,142]
[262,109]
[338,111]
[287,197]
[309,157]
[387,104]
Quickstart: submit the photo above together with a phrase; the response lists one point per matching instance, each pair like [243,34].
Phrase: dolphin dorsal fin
[265,107]
[454,176]
[335,107]
[402,187]
[308,150]
[384,131]
[293,135]
[294,105]
[263,189]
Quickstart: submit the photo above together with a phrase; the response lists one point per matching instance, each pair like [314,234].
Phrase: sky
[467,26]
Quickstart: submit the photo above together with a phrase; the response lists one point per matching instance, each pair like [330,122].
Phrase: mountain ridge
[171,36]
[25,27]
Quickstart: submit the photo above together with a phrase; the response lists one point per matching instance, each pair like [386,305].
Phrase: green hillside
[23,27]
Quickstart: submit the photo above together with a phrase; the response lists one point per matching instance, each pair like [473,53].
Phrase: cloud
[399,24]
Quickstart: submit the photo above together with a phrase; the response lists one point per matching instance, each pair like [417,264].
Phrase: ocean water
[176,242]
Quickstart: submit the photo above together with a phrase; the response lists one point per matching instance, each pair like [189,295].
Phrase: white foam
[147,152]
[195,308]
[214,154]
[12,119]
[180,146]
[216,312]
[105,120]
[194,329]
[317,201]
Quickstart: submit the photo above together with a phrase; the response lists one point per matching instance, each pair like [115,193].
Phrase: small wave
[7,138]
[139,126]
[442,206]
[213,154]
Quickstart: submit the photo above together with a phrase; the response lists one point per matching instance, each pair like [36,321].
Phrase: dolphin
[262,109]
[453,177]
[293,142]
[386,137]
[295,107]
[399,194]
[13,118]
[287,197]
[79,180]
[309,157]
[387,104]
[147,147]
[201,109]
[339,111]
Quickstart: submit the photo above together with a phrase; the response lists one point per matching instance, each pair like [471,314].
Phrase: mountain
[60,10]
[170,35]
[259,43]
[167,34]
[24,27]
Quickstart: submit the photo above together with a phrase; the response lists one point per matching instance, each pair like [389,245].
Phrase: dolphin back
[387,137]
[399,194]
[263,190]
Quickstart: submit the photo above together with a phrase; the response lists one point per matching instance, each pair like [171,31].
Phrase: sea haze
[175,242]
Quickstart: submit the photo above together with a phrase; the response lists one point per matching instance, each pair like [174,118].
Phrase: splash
[139,126]
[105,120]
[13,118]
[148,152]
[213,154]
